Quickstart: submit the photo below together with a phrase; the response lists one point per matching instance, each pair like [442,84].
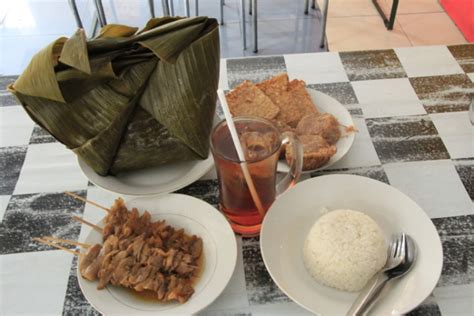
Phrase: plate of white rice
[323,239]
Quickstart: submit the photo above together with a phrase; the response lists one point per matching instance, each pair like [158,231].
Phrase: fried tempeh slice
[297,90]
[247,100]
[276,88]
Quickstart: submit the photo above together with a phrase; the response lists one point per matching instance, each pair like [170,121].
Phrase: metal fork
[402,254]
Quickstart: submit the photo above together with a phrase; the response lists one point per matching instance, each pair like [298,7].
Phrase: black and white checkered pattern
[410,106]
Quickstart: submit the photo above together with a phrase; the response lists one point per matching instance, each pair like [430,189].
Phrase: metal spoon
[402,255]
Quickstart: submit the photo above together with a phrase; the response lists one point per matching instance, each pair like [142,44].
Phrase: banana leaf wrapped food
[128,99]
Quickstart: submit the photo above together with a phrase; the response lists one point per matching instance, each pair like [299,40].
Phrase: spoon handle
[368,295]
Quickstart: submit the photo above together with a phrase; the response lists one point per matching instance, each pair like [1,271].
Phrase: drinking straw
[240,153]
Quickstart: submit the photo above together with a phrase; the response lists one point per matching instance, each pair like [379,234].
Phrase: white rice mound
[344,249]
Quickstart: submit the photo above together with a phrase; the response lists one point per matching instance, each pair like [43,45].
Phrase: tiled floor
[28,25]
[356,25]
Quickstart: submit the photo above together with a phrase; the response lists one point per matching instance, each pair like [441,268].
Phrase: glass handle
[296,164]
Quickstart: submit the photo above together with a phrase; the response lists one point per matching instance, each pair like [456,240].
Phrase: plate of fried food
[323,125]
[172,254]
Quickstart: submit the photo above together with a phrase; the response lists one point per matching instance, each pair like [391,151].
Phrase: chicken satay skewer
[65,241]
[56,246]
[87,201]
[81,220]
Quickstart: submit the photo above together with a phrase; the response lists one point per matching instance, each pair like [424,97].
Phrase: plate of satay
[172,254]
[322,124]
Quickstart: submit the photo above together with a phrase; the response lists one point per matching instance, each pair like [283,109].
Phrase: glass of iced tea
[262,144]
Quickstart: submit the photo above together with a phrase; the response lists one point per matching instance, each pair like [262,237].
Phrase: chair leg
[221,12]
[196,7]
[166,7]
[255,28]
[151,6]
[306,6]
[171,7]
[75,12]
[244,27]
[313,4]
[324,18]
[95,25]
[186,6]
[100,12]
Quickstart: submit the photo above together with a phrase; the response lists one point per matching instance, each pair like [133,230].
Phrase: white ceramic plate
[219,249]
[151,181]
[327,104]
[291,216]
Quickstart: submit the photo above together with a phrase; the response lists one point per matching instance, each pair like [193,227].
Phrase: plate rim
[233,247]
[438,242]
[208,164]
[351,135]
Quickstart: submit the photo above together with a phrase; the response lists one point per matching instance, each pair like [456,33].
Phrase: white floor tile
[428,61]
[316,68]
[457,133]
[50,168]
[16,52]
[387,97]
[34,17]
[34,283]
[362,152]
[15,126]
[455,300]
[434,185]
[4,199]
[285,36]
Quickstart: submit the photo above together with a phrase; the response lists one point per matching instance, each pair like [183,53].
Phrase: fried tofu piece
[323,124]
[297,90]
[316,151]
[276,88]
[248,100]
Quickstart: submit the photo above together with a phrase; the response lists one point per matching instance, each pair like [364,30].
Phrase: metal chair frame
[168,8]
[253,11]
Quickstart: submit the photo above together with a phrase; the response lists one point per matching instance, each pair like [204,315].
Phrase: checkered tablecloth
[410,106]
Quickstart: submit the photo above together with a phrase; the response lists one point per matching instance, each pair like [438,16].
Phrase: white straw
[240,153]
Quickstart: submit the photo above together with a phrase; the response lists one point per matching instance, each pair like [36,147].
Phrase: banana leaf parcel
[128,99]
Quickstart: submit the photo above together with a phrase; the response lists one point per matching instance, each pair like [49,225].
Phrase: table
[410,107]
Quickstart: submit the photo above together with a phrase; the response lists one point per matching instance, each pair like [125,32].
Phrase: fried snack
[316,151]
[323,124]
[247,100]
[282,126]
[276,88]
[297,90]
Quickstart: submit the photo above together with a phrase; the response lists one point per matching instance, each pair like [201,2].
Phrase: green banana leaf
[128,99]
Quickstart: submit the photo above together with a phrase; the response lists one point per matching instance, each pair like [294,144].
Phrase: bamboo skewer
[97,228]
[87,201]
[65,241]
[56,246]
